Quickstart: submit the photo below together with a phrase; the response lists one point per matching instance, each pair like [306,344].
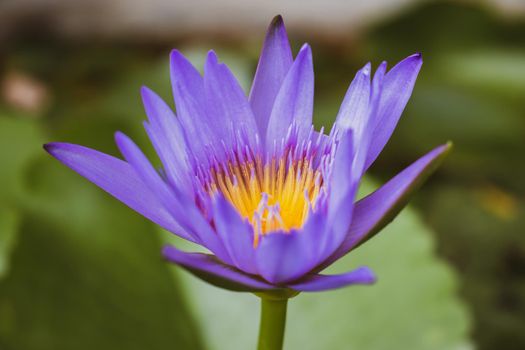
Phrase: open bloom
[250,179]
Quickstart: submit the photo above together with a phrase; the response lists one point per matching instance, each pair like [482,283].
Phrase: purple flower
[250,179]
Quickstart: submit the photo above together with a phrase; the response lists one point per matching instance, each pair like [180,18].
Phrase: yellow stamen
[273,196]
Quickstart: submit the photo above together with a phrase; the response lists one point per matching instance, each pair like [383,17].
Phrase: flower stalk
[273,322]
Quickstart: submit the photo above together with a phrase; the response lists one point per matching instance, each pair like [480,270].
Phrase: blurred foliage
[488,251]
[79,270]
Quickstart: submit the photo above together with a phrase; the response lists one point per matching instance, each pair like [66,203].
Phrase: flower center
[275,191]
[274,196]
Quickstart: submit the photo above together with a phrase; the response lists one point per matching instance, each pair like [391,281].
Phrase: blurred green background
[79,270]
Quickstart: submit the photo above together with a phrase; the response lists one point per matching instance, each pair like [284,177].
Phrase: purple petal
[317,283]
[236,234]
[294,102]
[167,137]
[354,111]
[378,209]
[275,61]
[343,183]
[285,256]
[366,135]
[208,268]
[396,90]
[227,102]
[119,179]
[150,176]
[190,102]
[194,122]
[182,72]
[184,211]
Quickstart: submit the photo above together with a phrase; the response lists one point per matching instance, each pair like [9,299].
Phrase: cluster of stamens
[276,191]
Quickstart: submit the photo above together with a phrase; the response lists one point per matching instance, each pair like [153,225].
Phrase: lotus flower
[251,180]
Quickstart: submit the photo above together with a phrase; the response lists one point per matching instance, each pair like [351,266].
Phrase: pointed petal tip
[276,31]
[211,64]
[118,134]
[276,23]
[211,57]
[53,148]
[278,19]
[418,57]
[305,47]
[305,54]
[175,53]
[120,137]
[145,92]
[412,63]
[149,99]
[379,75]
[367,276]
[444,149]
[179,64]
[366,69]
[48,147]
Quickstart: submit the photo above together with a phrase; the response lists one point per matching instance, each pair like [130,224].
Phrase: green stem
[273,320]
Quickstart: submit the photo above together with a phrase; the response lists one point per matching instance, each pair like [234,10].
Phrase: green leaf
[414,304]
[87,273]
